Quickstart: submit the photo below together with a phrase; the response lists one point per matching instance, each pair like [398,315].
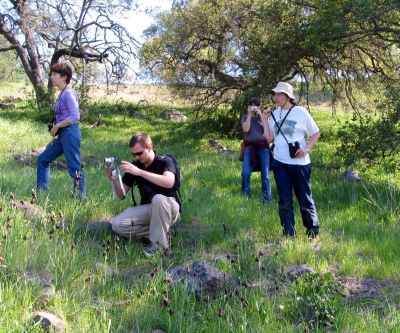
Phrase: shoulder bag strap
[279,127]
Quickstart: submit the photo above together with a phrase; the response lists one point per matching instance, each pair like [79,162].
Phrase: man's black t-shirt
[160,164]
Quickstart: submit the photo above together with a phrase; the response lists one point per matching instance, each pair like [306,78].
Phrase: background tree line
[222,52]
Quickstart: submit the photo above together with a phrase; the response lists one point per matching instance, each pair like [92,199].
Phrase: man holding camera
[288,126]
[159,208]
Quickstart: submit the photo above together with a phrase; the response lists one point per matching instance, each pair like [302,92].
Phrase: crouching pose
[155,176]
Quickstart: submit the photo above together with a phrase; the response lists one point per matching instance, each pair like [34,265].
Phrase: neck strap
[279,127]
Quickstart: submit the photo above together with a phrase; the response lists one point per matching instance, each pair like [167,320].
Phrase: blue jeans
[247,169]
[290,177]
[67,143]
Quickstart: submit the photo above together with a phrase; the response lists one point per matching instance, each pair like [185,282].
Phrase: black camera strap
[279,127]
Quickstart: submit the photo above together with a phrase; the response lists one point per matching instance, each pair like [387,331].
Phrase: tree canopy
[40,32]
[218,46]
[225,51]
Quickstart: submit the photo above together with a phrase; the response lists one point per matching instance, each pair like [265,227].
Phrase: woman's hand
[301,153]
[266,114]
[53,131]
[252,108]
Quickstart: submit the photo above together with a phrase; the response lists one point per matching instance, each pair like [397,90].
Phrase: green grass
[124,291]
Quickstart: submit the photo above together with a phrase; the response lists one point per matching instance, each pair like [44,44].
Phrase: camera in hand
[253,108]
[293,147]
[51,124]
[111,162]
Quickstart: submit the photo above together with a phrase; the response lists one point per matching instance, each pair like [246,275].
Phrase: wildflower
[12,196]
[220,312]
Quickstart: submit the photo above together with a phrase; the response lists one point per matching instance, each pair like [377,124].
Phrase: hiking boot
[150,252]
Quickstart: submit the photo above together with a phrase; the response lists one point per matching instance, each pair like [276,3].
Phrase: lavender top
[67,106]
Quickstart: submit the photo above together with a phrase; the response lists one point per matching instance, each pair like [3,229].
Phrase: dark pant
[296,177]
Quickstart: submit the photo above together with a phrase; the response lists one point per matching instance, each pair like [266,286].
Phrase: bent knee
[158,199]
[116,225]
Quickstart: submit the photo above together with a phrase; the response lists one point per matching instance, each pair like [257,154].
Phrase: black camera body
[293,147]
[51,124]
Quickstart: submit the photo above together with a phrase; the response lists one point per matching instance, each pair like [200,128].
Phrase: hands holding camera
[253,108]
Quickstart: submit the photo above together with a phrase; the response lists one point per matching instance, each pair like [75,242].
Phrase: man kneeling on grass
[160,207]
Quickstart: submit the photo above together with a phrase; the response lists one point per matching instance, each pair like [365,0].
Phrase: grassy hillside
[356,288]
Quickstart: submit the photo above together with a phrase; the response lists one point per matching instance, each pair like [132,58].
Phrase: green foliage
[10,67]
[314,299]
[371,136]
[122,291]
[224,52]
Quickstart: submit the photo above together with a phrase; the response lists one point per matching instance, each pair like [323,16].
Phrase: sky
[137,22]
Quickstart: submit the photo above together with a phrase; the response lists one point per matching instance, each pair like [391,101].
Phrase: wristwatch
[58,125]
[308,150]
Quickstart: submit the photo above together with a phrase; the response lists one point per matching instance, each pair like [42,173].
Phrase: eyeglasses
[139,152]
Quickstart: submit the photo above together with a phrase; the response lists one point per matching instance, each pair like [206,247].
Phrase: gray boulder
[49,321]
[202,279]
[172,114]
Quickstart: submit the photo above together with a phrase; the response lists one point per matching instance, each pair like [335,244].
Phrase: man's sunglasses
[139,152]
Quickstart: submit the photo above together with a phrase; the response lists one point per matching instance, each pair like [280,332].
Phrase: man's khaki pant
[151,221]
